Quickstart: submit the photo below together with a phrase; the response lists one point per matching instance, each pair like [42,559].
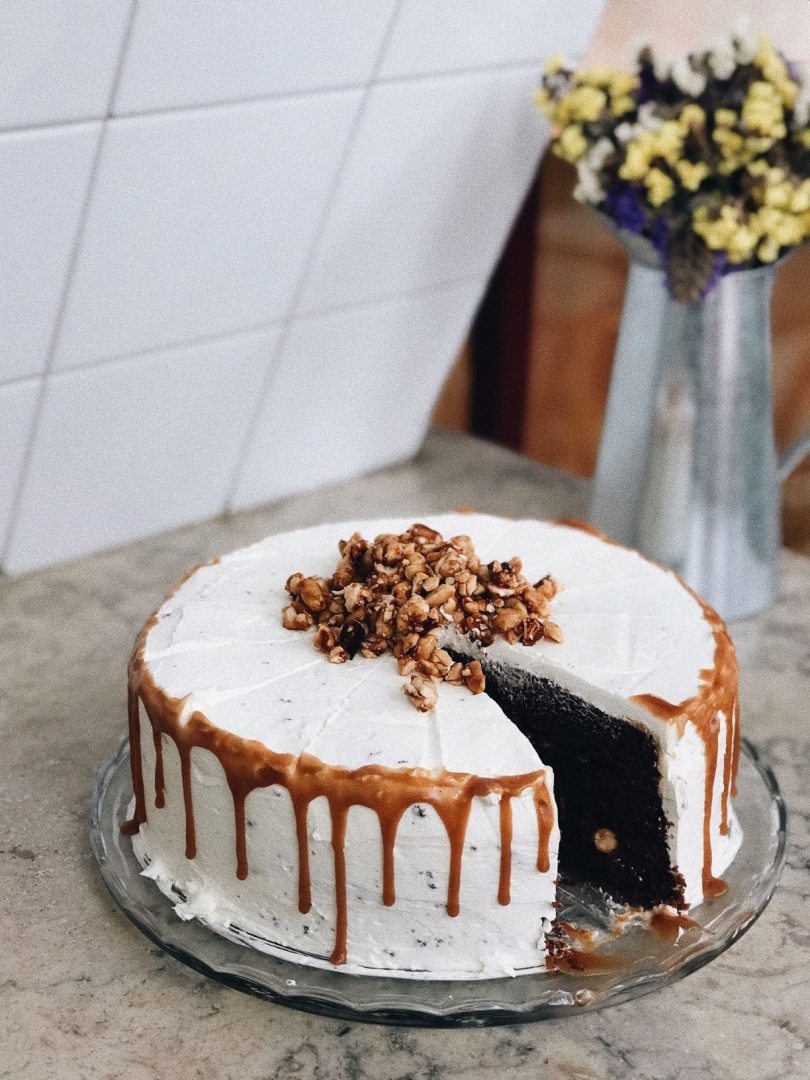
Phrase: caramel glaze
[717,693]
[249,764]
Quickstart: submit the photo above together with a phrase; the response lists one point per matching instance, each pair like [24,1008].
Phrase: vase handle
[794,454]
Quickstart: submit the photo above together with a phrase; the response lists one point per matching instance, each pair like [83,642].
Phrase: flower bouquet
[707,157]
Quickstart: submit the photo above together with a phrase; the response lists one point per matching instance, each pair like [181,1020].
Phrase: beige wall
[676,28]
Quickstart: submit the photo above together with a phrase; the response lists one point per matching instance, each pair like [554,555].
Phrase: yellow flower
[555,64]
[584,104]
[725,118]
[622,83]
[692,114]
[762,110]
[803,138]
[778,195]
[742,244]
[621,105]
[638,155]
[758,167]
[571,144]
[730,142]
[800,200]
[597,76]
[768,250]
[691,174]
[774,69]
[660,186]
[669,141]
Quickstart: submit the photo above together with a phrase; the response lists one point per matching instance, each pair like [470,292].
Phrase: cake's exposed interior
[607,783]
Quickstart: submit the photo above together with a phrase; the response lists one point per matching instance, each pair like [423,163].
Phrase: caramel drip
[388,829]
[249,764]
[545,823]
[188,800]
[239,800]
[300,808]
[130,827]
[718,693]
[340,815]
[667,925]
[505,881]
[160,783]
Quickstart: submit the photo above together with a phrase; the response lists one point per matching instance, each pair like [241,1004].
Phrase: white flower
[745,41]
[647,118]
[588,188]
[721,58]
[687,79]
[662,67]
[598,154]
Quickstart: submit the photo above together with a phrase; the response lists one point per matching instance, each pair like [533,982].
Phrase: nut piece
[395,593]
[473,676]
[314,592]
[422,692]
[605,840]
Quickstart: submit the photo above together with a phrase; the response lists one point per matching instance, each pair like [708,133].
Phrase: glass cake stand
[639,960]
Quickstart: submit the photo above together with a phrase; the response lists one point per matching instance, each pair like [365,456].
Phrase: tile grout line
[286,95]
[53,344]
[253,329]
[309,258]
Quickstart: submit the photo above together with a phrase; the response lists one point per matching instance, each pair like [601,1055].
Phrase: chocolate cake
[571,712]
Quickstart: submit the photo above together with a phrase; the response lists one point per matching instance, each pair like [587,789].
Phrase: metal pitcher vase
[687,469]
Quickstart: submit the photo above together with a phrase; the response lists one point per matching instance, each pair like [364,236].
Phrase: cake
[289,795]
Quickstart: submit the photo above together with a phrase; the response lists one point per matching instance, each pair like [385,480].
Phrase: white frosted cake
[292,796]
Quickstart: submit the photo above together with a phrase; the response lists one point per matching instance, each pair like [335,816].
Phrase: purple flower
[624,206]
[720,267]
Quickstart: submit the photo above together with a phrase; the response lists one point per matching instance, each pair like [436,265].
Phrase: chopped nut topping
[421,692]
[604,840]
[397,592]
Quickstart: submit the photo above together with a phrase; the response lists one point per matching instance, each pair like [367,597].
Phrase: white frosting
[630,628]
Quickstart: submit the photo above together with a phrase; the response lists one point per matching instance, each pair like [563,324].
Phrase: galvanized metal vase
[687,469]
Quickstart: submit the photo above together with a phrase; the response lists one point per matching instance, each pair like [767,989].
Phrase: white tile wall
[193,52]
[201,221]
[43,180]
[17,404]
[352,390]
[59,58]
[135,447]
[453,34]
[437,170]
[190,187]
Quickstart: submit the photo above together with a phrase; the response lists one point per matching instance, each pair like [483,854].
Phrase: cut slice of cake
[293,797]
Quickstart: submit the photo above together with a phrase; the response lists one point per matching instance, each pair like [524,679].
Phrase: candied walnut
[507,619]
[422,692]
[314,592]
[355,594]
[338,655]
[412,614]
[473,677]
[440,596]
[293,585]
[532,630]
[552,631]
[294,619]
[325,638]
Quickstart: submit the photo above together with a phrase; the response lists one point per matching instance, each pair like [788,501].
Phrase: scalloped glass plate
[638,959]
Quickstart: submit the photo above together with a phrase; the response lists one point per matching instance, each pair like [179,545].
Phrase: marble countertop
[83,994]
